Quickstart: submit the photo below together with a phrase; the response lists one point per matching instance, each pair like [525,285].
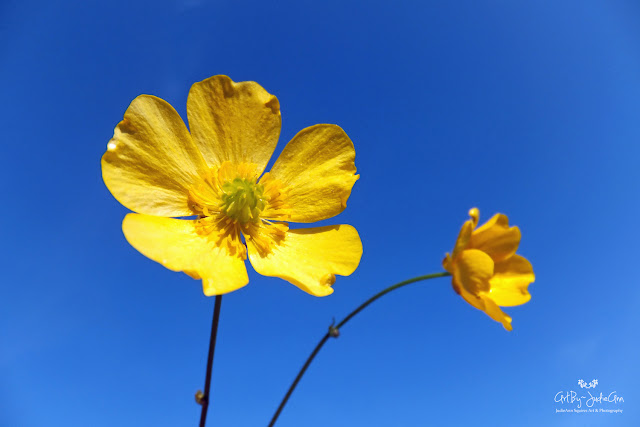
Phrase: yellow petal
[473,269]
[310,258]
[510,281]
[447,263]
[485,304]
[176,244]
[463,240]
[151,160]
[236,122]
[474,300]
[317,168]
[496,314]
[496,238]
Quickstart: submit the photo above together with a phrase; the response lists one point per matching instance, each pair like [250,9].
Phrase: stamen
[242,200]
[232,203]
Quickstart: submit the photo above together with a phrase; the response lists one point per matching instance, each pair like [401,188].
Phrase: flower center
[242,200]
[231,203]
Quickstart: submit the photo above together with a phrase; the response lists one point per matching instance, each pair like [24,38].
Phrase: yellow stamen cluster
[231,203]
[277,208]
[206,196]
[267,236]
[242,200]
[224,232]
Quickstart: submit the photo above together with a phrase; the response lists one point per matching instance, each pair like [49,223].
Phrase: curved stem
[203,398]
[334,331]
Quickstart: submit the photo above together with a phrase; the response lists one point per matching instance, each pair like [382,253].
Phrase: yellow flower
[486,271]
[159,169]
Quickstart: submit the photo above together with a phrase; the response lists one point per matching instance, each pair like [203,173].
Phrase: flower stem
[203,398]
[334,331]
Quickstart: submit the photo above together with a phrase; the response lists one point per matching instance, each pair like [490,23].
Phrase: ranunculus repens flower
[213,172]
[486,270]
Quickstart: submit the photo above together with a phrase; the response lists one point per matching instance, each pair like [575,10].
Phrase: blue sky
[526,108]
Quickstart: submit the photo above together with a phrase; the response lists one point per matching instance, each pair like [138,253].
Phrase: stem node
[334,332]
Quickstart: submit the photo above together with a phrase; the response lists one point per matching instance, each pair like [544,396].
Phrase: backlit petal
[151,161]
[496,238]
[177,245]
[496,314]
[310,258]
[474,300]
[463,239]
[238,122]
[489,307]
[510,281]
[318,170]
[473,269]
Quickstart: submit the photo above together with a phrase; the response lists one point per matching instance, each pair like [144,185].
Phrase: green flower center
[242,200]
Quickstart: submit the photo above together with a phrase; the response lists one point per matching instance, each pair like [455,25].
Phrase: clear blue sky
[529,108]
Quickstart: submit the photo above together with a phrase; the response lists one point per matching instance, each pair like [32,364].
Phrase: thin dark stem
[298,377]
[334,331]
[204,398]
[389,289]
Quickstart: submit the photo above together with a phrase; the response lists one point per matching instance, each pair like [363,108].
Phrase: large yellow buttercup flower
[159,169]
[486,271]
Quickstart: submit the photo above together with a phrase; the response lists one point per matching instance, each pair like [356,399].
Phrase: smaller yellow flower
[486,271]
